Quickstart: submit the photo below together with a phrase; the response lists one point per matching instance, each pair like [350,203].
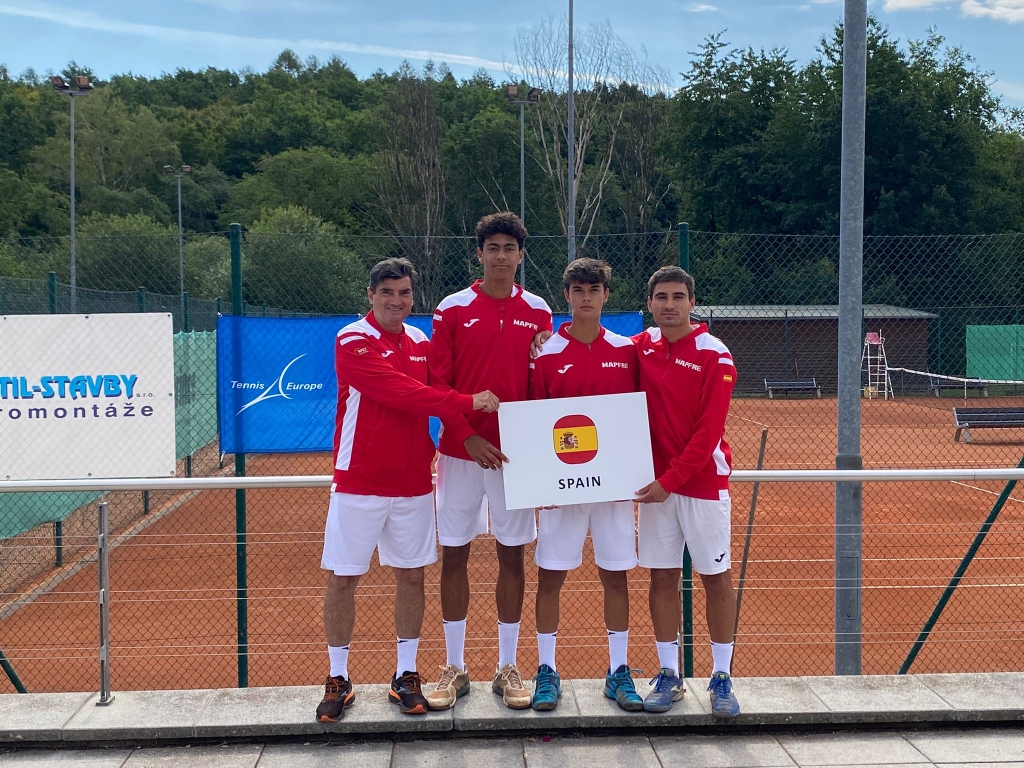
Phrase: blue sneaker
[547,687]
[723,701]
[618,685]
[668,687]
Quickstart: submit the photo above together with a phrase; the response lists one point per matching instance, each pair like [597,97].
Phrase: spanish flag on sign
[575,439]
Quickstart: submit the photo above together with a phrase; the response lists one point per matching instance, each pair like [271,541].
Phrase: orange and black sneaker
[338,696]
[407,692]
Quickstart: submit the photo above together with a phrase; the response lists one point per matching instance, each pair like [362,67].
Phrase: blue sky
[116,36]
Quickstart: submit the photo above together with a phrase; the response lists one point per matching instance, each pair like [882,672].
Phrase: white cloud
[1009,89]
[85,20]
[912,5]
[701,8]
[1003,10]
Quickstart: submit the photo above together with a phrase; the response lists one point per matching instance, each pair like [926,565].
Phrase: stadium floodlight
[179,174]
[81,89]
[532,97]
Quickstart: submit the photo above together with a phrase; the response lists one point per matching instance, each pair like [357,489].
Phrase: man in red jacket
[688,376]
[481,340]
[382,495]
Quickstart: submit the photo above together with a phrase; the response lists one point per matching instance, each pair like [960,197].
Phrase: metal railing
[242,484]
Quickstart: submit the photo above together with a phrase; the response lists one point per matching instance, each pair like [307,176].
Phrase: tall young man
[584,358]
[483,334]
[382,492]
[688,376]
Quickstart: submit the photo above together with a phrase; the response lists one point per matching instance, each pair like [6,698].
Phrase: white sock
[546,648]
[618,643]
[407,655]
[339,660]
[508,643]
[668,655]
[455,642]
[721,656]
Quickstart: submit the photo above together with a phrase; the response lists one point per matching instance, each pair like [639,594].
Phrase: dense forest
[748,143]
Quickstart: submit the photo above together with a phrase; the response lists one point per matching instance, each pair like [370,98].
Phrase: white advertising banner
[86,396]
[575,450]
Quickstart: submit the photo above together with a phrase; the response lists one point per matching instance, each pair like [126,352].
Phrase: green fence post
[141,294]
[11,674]
[961,569]
[684,245]
[186,327]
[58,527]
[241,564]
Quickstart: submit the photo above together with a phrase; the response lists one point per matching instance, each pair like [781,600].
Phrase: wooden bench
[937,384]
[771,386]
[967,419]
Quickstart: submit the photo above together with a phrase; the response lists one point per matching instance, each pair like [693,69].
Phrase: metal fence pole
[103,567]
[686,581]
[849,501]
[8,668]
[687,615]
[241,536]
[58,527]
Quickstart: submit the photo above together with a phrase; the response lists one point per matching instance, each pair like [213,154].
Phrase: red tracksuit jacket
[688,385]
[382,444]
[473,348]
[567,367]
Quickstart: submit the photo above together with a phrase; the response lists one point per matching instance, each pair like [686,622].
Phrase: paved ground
[1002,747]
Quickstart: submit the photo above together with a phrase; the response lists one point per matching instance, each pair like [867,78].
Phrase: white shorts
[401,528]
[703,526]
[465,491]
[563,531]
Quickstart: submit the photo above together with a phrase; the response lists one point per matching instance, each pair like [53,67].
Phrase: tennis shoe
[547,687]
[618,685]
[723,700]
[407,692]
[338,696]
[453,683]
[668,688]
[508,683]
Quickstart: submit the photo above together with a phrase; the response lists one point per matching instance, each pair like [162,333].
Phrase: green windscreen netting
[996,352]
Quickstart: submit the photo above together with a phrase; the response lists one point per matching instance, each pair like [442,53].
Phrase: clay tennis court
[173,604]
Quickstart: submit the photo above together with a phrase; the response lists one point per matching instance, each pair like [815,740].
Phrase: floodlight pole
[74,273]
[179,173]
[570,214]
[849,500]
[522,181]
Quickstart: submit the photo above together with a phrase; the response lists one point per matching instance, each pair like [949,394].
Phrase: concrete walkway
[770,705]
[994,748]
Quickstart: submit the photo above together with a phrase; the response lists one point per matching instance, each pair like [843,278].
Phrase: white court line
[984,490]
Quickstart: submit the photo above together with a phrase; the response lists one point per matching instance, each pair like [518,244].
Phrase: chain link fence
[943,331]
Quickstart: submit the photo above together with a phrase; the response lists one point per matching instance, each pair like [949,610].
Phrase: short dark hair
[503,223]
[670,274]
[393,269]
[587,272]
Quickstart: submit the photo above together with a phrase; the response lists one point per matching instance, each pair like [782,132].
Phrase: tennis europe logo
[575,439]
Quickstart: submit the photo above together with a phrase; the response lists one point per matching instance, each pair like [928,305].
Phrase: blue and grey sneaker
[668,687]
[723,700]
[547,687]
[618,685]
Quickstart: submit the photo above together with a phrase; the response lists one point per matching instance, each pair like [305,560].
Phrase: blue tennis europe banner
[276,387]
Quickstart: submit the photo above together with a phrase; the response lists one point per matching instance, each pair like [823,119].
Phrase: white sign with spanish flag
[575,450]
